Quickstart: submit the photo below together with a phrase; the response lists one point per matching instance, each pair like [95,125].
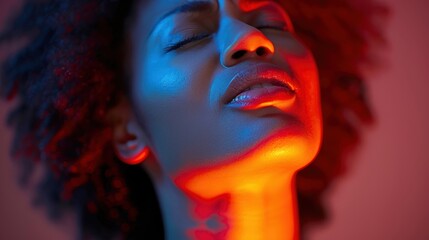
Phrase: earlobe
[128,137]
[129,142]
[132,156]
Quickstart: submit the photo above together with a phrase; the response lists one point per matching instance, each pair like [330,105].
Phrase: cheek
[171,79]
[310,100]
[302,64]
[160,85]
[171,101]
[157,85]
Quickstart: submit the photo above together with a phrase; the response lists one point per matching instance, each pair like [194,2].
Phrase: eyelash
[282,27]
[197,37]
[181,43]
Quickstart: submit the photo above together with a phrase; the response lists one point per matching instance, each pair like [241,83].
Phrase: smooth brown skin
[177,112]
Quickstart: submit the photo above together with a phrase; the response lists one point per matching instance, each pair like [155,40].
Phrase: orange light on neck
[251,198]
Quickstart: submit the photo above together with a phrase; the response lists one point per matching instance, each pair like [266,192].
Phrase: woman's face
[216,80]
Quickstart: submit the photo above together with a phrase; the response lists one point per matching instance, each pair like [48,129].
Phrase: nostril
[238,54]
[261,51]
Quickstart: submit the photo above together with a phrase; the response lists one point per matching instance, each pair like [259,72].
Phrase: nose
[243,42]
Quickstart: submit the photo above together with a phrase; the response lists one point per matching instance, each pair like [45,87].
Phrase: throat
[262,209]
[264,213]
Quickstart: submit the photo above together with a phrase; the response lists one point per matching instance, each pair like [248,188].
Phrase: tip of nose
[251,45]
[258,43]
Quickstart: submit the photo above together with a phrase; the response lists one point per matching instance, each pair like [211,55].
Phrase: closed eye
[177,45]
[279,27]
[272,16]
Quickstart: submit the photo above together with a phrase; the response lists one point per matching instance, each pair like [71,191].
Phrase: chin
[277,157]
[279,149]
[284,150]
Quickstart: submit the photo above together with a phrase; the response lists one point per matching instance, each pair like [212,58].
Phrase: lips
[260,86]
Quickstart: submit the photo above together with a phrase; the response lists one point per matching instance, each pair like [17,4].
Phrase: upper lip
[258,74]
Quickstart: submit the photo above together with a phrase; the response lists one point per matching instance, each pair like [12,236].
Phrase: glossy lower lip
[281,93]
[276,96]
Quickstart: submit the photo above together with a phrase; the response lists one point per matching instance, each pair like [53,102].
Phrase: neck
[264,212]
[263,207]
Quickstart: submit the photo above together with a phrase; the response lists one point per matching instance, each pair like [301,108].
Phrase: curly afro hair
[69,74]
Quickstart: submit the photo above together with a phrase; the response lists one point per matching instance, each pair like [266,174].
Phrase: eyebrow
[194,6]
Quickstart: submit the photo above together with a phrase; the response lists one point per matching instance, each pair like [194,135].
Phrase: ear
[128,136]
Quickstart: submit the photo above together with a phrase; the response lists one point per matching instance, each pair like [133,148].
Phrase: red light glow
[252,198]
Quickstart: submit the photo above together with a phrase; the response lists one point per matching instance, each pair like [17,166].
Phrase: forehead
[172,3]
[149,12]
[248,5]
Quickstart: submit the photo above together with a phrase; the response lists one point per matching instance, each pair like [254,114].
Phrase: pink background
[384,194]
